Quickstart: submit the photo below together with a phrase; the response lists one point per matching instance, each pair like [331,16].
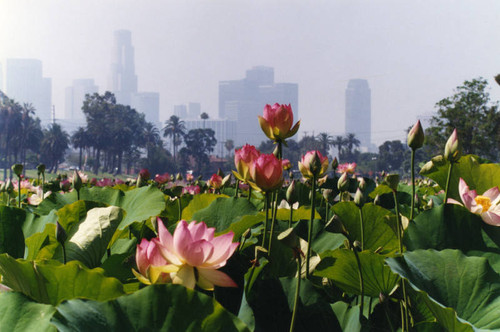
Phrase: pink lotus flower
[267,172]
[486,205]
[313,163]
[84,177]
[244,159]
[347,168]
[144,173]
[215,181]
[196,254]
[65,185]
[162,178]
[193,190]
[37,198]
[277,122]
[189,177]
[151,264]
[104,183]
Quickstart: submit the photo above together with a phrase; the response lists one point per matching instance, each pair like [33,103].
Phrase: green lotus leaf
[18,313]
[11,233]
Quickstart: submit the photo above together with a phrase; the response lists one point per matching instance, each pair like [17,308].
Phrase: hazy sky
[413,53]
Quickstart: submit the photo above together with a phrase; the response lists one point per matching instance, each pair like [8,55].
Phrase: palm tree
[326,141]
[351,142]
[175,129]
[339,142]
[204,116]
[150,137]
[54,144]
[80,141]
[229,145]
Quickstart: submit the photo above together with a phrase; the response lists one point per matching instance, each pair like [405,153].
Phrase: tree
[80,141]
[391,155]
[325,141]
[476,119]
[204,117]
[351,142]
[339,142]
[175,129]
[151,137]
[55,142]
[199,143]
[229,145]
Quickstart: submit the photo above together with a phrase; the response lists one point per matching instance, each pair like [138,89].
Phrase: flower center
[484,201]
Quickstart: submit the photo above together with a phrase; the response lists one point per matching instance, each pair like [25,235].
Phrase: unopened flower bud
[335,164]
[315,165]
[382,297]
[61,235]
[276,151]
[289,238]
[335,225]
[291,194]
[361,183]
[139,181]
[343,182]
[452,151]
[327,193]
[9,187]
[226,179]
[416,136]
[430,204]
[220,173]
[358,198]
[356,245]
[376,201]
[392,180]
[17,169]
[178,177]
[77,180]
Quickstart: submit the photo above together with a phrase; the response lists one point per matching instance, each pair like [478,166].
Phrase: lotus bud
[361,183]
[382,174]
[291,193]
[416,136]
[430,204]
[139,180]
[41,168]
[315,165]
[77,180]
[178,177]
[343,182]
[61,235]
[17,169]
[356,245]
[392,180]
[327,194]
[226,180]
[335,164]
[452,149]
[220,173]
[289,238]
[358,198]
[376,201]
[382,297]
[145,175]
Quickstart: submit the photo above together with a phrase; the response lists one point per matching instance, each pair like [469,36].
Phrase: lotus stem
[249,192]
[309,235]
[361,283]
[291,217]
[362,228]
[297,293]
[266,207]
[19,191]
[237,188]
[180,207]
[404,316]
[275,212]
[448,180]
[412,183]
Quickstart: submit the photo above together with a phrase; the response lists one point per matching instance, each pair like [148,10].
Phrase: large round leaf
[198,202]
[20,314]
[377,231]
[11,234]
[154,308]
[468,285]
[478,176]
[341,267]
[52,282]
[223,211]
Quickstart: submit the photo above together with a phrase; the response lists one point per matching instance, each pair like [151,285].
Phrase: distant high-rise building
[180,111]
[194,110]
[191,111]
[243,100]
[75,96]
[149,104]
[26,84]
[123,80]
[224,130]
[358,112]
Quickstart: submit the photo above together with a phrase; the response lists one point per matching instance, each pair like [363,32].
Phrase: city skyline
[413,54]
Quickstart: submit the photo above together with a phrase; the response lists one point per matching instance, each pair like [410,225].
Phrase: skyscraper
[26,84]
[123,80]
[75,96]
[243,100]
[358,112]
[149,104]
